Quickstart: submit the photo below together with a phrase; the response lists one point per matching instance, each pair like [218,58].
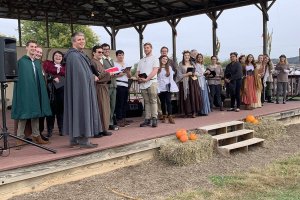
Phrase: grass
[278,181]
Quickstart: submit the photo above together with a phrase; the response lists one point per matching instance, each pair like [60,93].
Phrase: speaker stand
[5,134]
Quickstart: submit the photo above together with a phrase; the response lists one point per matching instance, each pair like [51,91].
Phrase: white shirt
[122,79]
[163,80]
[146,65]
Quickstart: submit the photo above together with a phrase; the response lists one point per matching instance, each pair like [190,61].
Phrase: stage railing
[293,86]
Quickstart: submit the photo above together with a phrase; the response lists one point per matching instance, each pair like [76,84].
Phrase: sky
[239,30]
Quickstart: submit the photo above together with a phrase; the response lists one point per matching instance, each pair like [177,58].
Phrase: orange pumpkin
[250,118]
[184,138]
[193,136]
[180,132]
[255,121]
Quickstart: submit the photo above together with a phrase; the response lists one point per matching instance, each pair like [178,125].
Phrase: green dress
[30,98]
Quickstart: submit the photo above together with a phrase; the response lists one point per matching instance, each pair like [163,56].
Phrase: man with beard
[147,72]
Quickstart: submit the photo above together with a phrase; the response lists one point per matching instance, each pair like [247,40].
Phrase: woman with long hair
[248,84]
[268,78]
[166,86]
[55,71]
[258,82]
[214,82]
[189,90]
[282,69]
[201,73]
[242,60]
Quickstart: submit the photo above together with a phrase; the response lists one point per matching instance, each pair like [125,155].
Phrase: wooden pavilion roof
[112,13]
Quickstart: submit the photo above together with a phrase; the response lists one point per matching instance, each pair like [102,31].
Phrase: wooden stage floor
[30,155]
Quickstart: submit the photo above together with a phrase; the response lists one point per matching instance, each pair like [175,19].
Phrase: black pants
[165,100]
[41,124]
[215,95]
[121,102]
[57,108]
[235,94]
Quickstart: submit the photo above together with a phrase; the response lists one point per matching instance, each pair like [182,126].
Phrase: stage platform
[34,169]
[30,155]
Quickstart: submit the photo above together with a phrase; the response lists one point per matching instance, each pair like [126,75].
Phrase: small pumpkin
[250,118]
[180,132]
[255,121]
[193,136]
[184,138]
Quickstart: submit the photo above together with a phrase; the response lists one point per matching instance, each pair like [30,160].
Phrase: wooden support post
[20,32]
[173,23]
[214,16]
[264,8]
[112,33]
[140,29]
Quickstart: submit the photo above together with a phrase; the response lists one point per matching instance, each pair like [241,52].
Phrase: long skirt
[205,99]
[258,102]
[192,104]
[249,91]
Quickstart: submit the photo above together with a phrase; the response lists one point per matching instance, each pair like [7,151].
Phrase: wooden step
[232,137]
[243,146]
[221,128]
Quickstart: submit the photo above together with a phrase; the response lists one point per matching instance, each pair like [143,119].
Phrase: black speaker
[8,59]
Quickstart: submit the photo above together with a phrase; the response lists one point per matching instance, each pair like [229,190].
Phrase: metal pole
[3,102]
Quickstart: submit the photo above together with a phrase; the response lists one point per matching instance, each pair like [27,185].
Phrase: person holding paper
[147,77]
[122,89]
[189,90]
[102,90]
[282,69]
[55,74]
[107,63]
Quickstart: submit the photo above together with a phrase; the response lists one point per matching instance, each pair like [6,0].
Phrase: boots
[43,137]
[49,134]
[163,120]
[19,144]
[121,123]
[160,116]
[39,140]
[146,123]
[221,107]
[171,119]
[126,122]
[154,122]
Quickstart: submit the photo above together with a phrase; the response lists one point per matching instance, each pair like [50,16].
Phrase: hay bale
[177,153]
[267,128]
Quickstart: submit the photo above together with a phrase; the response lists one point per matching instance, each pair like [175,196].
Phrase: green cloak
[30,97]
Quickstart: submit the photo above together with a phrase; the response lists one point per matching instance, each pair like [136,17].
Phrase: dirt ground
[157,180]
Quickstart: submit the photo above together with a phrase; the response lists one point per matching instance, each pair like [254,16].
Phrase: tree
[59,34]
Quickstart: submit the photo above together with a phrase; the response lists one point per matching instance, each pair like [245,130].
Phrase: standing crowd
[88,97]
